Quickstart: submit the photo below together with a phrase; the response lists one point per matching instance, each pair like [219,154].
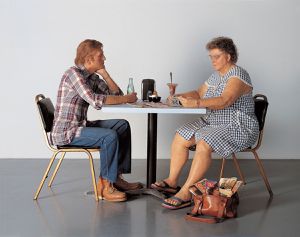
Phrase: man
[80,87]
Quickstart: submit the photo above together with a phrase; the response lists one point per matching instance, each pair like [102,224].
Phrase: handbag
[214,202]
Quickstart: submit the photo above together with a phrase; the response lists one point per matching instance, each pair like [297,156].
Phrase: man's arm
[112,85]
[120,99]
[77,82]
[117,96]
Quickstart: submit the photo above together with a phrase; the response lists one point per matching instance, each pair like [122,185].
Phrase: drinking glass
[172,88]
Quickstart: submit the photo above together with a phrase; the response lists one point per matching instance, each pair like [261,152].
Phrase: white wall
[147,39]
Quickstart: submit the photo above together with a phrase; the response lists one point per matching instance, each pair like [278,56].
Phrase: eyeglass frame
[215,57]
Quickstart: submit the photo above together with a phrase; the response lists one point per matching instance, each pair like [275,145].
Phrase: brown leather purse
[212,206]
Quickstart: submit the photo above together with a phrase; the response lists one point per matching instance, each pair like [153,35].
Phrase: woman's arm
[233,90]
[194,94]
[202,90]
[189,94]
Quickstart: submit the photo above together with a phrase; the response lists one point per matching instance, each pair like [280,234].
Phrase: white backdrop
[147,39]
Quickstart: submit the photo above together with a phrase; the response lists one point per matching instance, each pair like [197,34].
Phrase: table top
[150,107]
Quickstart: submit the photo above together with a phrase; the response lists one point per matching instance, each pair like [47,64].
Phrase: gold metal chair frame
[258,161]
[254,152]
[63,150]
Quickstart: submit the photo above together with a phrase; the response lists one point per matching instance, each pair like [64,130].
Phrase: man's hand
[113,87]
[103,73]
[131,98]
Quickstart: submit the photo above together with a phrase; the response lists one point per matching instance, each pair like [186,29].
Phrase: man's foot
[107,191]
[124,186]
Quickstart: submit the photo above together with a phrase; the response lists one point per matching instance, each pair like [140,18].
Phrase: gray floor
[65,209]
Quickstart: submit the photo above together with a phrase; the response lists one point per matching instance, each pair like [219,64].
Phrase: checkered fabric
[77,90]
[228,130]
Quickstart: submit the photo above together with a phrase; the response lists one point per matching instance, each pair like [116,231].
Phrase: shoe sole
[113,200]
[165,190]
[170,207]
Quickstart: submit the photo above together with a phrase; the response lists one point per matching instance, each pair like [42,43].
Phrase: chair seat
[46,113]
[77,147]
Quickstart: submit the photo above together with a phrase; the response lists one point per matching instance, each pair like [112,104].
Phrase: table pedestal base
[146,191]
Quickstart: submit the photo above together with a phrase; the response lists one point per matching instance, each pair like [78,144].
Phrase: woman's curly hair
[224,44]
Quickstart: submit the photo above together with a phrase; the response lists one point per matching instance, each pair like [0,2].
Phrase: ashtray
[154,98]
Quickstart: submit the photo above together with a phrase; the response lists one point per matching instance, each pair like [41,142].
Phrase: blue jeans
[113,136]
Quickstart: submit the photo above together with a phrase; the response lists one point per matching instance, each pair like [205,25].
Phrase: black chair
[261,106]
[46,114]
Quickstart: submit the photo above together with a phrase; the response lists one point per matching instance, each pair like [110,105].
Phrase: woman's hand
[188,102]
[169,100]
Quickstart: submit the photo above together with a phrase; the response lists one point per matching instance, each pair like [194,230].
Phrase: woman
[230,125]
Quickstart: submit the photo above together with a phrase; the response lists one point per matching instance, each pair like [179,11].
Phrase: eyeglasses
[215,57]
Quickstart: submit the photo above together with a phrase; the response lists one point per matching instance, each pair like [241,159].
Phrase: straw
[171,77]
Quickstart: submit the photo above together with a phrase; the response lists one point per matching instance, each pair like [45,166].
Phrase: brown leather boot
[123,185]
[108,192]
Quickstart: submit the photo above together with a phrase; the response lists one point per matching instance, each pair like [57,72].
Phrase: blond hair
[86,49]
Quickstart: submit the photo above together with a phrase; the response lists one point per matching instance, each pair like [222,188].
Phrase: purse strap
[204,219]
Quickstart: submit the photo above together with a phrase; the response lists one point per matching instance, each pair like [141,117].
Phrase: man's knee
[123,123]
[112,137]
[123,126]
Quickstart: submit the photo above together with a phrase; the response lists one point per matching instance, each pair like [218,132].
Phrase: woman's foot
[165,187]
[180,200]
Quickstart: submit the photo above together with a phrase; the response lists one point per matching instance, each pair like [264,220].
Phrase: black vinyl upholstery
[46,110]
[46,113]
[261,106]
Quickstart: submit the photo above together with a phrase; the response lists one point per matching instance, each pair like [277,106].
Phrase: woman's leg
[179,156]
[200,164]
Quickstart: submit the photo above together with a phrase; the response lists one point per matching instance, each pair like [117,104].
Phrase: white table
[152,127]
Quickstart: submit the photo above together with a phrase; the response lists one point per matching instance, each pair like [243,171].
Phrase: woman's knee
[179,140]
[182,142]
[202,146]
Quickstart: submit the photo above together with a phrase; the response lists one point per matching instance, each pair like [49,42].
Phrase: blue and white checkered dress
[228,130]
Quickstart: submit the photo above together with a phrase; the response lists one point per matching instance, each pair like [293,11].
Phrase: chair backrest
[46,111]
[46,114]
[261,106]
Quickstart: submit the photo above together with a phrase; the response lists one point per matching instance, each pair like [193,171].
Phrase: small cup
[154,98]
[172,88]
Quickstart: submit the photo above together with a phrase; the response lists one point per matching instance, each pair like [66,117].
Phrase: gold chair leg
[263,173]
[238,168]
[45,175]
[93,175]
[56,169]
[222,168]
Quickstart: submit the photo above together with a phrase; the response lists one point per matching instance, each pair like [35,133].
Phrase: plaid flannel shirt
[77,90]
